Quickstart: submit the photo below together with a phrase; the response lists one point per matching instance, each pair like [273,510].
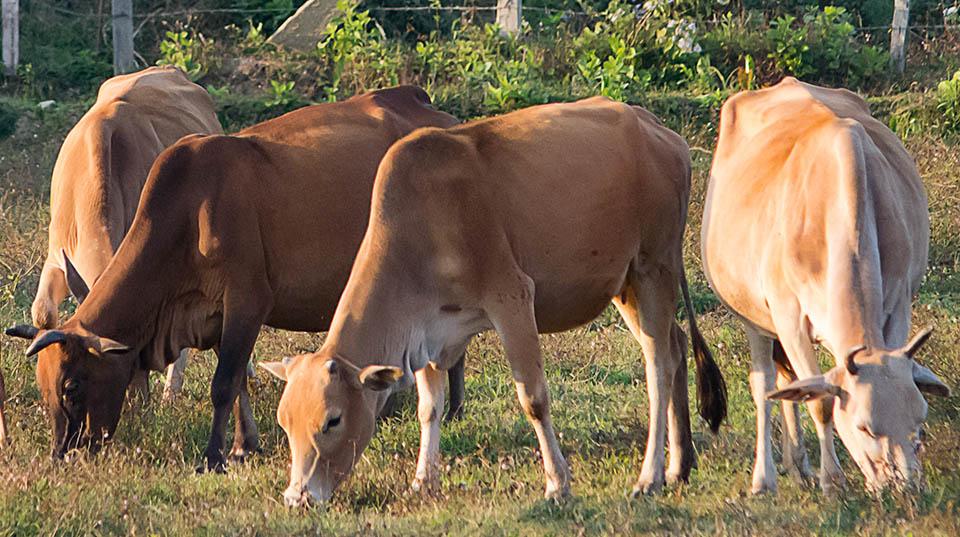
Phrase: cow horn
[23,331]
[918,340]
[850,364]
[78,287]
[44,340]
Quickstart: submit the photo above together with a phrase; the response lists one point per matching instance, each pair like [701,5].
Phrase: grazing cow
[816,230]
[100,172]
[232,232]
[527,223]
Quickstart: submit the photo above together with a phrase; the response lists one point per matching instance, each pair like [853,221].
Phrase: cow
[816,230]
[100,173]
[527,223]
[232,232]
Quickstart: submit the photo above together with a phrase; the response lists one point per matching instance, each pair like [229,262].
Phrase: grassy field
[145,484]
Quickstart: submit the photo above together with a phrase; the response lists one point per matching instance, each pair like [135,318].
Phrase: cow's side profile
[232,232]
[816,230]
[527,223]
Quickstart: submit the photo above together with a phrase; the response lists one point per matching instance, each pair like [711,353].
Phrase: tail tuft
[711,388]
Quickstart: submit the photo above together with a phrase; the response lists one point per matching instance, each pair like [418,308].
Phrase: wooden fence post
[11,39]
[509,15]
[122,13]
[898,35]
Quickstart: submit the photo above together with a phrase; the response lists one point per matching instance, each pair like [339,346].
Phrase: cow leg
[514,320]
[246,438]
[649,313]
[50,294]
[457,389]
[174,382]
[429,409]
[236,343]
[799,349]
[762,381]
[683,457]
[139,388]
[795,460]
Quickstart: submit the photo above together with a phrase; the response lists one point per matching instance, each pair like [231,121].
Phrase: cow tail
[711,388]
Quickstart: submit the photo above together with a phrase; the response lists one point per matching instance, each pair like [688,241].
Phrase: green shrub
[185,51]
[8,119]
[948,102]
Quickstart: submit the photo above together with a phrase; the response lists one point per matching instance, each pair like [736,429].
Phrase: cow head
[328,410]
[878,409]
[82,378]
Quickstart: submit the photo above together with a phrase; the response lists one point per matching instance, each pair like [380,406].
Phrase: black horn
[46,338]
[848,361]
[24,331]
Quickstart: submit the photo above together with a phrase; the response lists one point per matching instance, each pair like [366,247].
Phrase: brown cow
[526,223]
[232,232]
[816,230]
[100,172]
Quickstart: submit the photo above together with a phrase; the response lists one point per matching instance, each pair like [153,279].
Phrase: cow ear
[78,287]
[806,390]
[23,331]
[911,348]
[379,377]
[99,346]
[277,369]
[928,382]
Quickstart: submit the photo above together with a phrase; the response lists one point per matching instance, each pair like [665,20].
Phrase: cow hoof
[832,484]
[763,487]
[425,486]
[556,493]
[168,398]
[216,465]
[646,487]
[241,454]
[675,478]
[454,414]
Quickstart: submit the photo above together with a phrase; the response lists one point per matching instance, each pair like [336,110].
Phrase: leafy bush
[8,119]
[186,51]
[948,102]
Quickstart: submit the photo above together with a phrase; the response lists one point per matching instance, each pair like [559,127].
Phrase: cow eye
[71,387]
[866,430]
[331,423]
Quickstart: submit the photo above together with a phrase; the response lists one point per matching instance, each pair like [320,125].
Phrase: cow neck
[126,301]
[379,319]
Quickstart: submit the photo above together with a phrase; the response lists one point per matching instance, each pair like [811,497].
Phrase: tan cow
[527,223]
[232,232]
[100,173]
[816,231]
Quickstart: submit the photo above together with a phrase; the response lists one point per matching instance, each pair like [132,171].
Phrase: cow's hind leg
[513,318]
[762,381]
[683,457]
[457,390]
[647,304]
[174,382]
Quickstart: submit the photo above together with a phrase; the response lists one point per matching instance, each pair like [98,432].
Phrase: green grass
[144,483]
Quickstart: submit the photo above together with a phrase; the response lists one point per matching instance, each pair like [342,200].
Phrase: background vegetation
[681,59]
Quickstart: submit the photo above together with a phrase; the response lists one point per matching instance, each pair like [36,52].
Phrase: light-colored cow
[816,230]
[526,223]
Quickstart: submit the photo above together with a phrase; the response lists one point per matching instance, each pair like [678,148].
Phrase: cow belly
[563,307]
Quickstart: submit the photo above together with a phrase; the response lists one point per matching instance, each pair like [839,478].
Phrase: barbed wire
[434,8]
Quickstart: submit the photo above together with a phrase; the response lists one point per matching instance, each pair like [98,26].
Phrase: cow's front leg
[246,438]
[514,320]
[803,358]
[236,343]
[762,381]
[429,410]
